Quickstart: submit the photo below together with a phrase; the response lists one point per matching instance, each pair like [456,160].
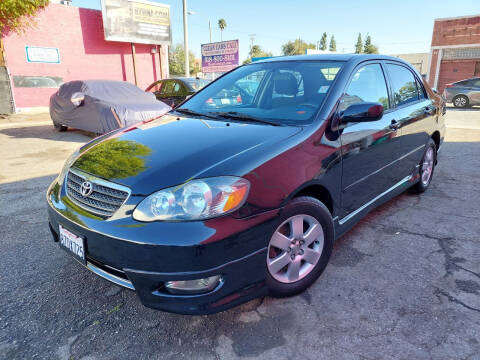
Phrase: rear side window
[155,87]
[463,83]
[367,85]
[403,84]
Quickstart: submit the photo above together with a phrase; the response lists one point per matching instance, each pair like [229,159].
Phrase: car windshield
[283,92]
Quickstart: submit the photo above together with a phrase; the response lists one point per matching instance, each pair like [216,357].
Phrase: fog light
[197,286]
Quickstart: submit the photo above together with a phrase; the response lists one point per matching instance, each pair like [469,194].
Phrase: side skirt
[346,223]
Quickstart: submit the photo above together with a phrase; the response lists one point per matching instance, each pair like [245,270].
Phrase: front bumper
[143,256]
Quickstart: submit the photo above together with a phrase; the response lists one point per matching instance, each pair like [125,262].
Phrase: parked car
[463,93]
[205,208]
[100,106]
[173,91]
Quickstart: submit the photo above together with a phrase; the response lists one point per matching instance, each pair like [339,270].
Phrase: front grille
[105,198]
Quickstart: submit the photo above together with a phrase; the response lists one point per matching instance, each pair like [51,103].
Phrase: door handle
[429,110]
[394,125]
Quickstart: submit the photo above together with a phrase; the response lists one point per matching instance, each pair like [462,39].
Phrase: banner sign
[219,56]
[136,21]
[40,54]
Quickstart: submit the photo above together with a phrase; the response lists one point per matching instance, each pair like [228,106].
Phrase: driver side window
[367,85]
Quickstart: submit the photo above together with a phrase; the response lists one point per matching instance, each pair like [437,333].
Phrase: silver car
[463,93]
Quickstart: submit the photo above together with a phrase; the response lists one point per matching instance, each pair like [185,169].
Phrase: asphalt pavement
[402,284]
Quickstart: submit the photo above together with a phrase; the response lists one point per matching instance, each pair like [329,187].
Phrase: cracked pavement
[402,284]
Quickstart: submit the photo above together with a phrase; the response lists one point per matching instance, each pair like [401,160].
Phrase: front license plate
[72,243]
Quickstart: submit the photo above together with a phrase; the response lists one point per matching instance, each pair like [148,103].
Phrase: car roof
[332,57]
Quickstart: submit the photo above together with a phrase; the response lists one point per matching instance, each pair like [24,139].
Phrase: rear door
[414,113]
[368,148]
[475,93]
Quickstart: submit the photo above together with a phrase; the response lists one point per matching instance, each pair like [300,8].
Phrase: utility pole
[252,40]
[185,38]
[210,29]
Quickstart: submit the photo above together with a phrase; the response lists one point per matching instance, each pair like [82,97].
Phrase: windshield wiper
[194,113]
[239,116]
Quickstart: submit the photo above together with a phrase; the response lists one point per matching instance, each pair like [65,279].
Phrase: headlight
[71,159]
[194,200]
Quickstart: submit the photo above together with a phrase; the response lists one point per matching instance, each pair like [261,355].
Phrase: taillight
[239,99]
[449,85]
[209,101]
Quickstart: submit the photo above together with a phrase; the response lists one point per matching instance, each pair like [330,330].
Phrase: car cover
[105,106]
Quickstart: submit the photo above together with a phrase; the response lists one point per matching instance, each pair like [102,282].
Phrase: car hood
[171,150]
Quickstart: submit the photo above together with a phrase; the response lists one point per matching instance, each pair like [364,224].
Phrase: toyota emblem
[86,188]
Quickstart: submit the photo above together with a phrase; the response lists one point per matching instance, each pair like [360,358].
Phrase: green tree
[256,51]
[115,159]
[323,42]
[369,48]
[333,44]
[359,45]
[297,47]
[176,61]
[17,15]
[222,24]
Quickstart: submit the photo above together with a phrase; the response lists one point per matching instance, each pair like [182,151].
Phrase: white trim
[429,66]
[437,69]
[455,46]
[352,214]
[457,17]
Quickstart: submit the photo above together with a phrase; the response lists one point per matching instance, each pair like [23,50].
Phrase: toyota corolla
[219,202]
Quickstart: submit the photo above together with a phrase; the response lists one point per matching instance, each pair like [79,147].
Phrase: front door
[369,149]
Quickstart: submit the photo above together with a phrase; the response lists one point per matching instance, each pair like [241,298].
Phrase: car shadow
[471,108]
[48,132]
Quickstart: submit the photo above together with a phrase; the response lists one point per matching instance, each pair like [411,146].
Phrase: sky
[396,27]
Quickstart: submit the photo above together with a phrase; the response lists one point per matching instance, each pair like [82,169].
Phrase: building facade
[67,43]
[455,51]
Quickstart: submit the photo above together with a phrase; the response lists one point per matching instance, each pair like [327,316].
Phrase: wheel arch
[436,138]
[317,191]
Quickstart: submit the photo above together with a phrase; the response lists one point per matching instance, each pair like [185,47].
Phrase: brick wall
[455,70]
[456,31]
[84,54]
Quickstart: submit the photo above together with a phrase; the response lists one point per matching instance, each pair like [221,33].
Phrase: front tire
[460,101]
[427,166]
[300,246]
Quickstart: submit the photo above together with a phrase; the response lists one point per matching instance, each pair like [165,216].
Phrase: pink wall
[84,54]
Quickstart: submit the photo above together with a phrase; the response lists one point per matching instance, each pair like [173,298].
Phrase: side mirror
[362,112]
[435,90]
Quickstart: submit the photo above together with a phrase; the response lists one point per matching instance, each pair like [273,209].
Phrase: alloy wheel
[460,101]
[427,166]
[295,248]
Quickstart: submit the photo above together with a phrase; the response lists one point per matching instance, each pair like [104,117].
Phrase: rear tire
[298,254]
[427,166]
[460,101]
[61,128]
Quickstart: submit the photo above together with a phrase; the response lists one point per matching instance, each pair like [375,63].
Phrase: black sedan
[173,91]
[100,106]
[211,206]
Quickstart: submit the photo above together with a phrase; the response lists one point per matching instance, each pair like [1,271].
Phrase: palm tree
[222,24]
